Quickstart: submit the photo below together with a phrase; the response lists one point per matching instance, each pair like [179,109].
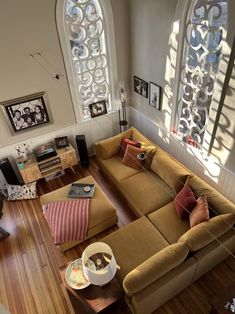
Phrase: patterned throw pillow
[185,201]
[130,158]
[125,142]
[22,192]
[200,212]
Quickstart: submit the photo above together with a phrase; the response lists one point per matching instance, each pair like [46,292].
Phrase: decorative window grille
[85,30]
[205,31]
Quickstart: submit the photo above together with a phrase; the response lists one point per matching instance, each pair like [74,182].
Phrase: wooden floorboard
[29,262]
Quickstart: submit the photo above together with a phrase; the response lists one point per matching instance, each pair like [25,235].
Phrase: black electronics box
[44,151]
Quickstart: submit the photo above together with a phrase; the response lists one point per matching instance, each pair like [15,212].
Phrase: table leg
[3,234]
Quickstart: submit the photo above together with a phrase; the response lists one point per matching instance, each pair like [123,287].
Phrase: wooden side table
[94,299]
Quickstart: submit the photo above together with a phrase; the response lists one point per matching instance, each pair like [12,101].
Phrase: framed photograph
[62,141]
[155,92]
[26,112]
[98,108]
[141,86]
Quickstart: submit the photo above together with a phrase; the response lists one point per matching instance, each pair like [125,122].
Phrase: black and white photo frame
[26,112]
[155,95]
[62,142]
[98,108]
[141,87]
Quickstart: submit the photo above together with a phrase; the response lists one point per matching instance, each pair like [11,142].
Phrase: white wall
[151,26]
[29,26]
[122,36]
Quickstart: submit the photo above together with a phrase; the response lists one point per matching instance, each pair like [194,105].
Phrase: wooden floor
[29,262]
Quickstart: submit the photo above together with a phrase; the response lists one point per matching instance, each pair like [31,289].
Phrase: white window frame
[187,9]
[111,56]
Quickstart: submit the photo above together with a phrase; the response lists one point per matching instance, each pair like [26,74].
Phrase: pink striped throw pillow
[68,220]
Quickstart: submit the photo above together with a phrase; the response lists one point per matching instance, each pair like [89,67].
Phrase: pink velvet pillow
[130,157]
[185,201]
[126,141]
[200,212]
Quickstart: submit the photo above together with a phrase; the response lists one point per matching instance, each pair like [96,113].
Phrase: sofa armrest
[109,147]
[154,267]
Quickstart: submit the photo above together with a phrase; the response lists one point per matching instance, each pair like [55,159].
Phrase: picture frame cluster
[149,90]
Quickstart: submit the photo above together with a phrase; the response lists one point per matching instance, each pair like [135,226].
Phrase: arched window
[204,37]
[87,39]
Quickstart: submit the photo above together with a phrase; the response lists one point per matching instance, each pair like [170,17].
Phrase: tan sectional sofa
[159,254]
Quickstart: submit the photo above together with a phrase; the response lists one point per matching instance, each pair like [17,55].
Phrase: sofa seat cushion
[207,231]
[133,244]
[168,223]
[116,170]
[145,192]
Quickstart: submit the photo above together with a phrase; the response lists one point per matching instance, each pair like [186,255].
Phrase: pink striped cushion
[68,220]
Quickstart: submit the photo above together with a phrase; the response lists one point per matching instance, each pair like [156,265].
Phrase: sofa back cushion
[169,170]
[218,204]
[138,137]
[155,267]
[208,231]
[107,148]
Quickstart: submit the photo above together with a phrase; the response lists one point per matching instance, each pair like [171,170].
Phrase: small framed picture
[141,87]
[98,108]
[61,141]
[155,92]
[26,112]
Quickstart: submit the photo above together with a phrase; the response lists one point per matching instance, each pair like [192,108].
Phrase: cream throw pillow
[200,212]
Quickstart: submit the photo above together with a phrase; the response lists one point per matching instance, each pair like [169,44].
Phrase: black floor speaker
[82,150]
[8,171]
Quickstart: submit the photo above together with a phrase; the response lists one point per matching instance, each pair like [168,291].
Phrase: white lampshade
[101,276]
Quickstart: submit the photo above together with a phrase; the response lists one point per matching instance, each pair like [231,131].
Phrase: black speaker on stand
[8,172]
[82,150]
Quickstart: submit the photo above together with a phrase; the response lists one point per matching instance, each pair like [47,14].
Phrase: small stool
[102,214]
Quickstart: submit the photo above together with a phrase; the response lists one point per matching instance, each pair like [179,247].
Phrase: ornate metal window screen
[204,38]
[85,29]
